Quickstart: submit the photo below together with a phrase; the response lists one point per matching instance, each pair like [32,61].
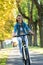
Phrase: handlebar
[22,35]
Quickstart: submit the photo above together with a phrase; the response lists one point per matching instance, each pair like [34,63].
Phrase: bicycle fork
[24,53]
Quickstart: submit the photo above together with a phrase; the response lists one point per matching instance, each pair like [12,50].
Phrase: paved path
[14,58]
[37,59]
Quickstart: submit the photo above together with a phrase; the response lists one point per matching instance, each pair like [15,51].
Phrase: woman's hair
[17,17]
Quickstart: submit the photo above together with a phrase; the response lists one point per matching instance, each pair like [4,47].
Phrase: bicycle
[25,52]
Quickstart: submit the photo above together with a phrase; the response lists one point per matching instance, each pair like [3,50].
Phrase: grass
[3,55]
[36,49]
[3,61]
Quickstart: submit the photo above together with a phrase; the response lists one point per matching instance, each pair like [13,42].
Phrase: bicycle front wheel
[23,54]
[27,61]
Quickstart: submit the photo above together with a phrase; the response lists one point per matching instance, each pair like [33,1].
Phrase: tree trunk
[1,44]
[41,28]
[30,37]
[30,23]
[35,37]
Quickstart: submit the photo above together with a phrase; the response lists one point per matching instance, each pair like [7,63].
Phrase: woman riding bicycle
[19,28]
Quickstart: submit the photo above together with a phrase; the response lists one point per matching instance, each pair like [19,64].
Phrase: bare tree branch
[21,11]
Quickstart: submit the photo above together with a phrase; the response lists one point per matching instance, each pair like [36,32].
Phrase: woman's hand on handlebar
[31,32]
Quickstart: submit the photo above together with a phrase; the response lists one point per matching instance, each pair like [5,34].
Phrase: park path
[14,58]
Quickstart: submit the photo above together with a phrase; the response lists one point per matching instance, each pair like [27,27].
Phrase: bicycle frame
[24,46]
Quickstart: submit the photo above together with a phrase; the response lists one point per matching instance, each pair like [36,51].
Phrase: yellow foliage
[7,12]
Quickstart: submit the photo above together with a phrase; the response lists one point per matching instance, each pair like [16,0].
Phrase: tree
[29,11]
[39,5]
[6,18]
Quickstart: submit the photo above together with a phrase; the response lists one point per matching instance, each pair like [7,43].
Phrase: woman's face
[19,18]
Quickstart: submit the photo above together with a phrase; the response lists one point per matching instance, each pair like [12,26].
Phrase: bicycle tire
[27,62]
[22,53]
[23,56]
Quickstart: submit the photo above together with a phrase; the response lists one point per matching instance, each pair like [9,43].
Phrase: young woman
[19,28]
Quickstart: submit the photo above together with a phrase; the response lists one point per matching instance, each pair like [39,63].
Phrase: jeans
[20,42]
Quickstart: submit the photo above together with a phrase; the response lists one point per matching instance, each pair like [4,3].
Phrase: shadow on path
[14,61]
[37,59]
[14,58]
